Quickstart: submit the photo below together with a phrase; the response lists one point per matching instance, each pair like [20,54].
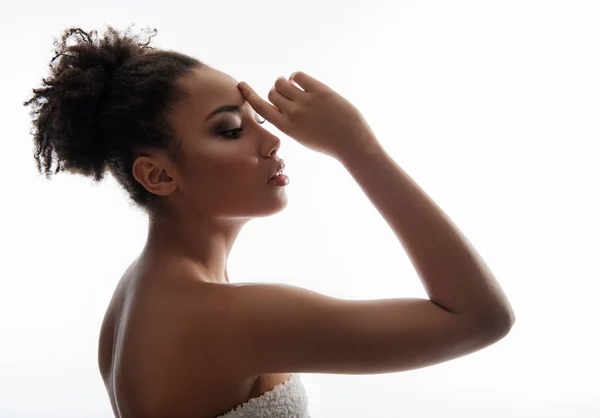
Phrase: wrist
[362,147]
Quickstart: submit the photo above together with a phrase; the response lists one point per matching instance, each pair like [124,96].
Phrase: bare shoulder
[145,355]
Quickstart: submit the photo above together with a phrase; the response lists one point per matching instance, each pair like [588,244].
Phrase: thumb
[262,107]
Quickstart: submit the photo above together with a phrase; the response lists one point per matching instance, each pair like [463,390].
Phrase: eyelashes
[237,131]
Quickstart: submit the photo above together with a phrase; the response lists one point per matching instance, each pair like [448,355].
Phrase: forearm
[454,275]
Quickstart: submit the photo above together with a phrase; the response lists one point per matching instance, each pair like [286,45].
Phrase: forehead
[209,88]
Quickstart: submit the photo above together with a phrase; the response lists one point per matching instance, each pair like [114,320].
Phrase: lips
[278,170]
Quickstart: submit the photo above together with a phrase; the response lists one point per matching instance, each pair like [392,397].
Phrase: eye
[234,132]
[237,131]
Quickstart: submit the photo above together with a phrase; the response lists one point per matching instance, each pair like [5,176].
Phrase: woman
[185,141]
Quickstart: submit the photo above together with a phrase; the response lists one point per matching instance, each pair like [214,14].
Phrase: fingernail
[241,85]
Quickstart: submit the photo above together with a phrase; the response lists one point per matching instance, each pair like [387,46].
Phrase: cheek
[223,166]
[223,176]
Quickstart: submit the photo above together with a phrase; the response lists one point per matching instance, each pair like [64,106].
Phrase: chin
[276,206]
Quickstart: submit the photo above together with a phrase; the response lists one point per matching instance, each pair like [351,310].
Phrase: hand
[317,117]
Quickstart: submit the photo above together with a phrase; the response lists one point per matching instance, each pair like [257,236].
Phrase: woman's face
[227,156]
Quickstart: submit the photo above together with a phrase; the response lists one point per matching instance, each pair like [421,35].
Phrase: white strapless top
[286,400]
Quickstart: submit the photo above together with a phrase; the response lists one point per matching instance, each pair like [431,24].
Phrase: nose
[273,144]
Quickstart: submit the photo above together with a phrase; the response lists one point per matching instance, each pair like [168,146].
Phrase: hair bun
[74,95]
[91,53]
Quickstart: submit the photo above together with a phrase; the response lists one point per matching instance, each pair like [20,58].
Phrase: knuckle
[324,94]
[293,112]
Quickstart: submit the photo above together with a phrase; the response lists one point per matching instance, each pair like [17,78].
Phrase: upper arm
[266,328]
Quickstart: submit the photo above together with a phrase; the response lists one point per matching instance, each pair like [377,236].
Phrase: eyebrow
[224,108]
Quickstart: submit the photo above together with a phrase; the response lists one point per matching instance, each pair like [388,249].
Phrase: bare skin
[179,340]
[219,187]
[142,356]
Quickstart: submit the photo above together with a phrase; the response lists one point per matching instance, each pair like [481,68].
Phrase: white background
[492,107]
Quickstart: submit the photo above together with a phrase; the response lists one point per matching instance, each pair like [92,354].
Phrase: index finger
[262,107]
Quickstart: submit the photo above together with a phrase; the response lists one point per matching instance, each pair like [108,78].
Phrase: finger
[305,81]
[262,107]
[287,89]
[279,100]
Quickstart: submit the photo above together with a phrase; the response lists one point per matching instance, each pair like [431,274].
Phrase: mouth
[278,171]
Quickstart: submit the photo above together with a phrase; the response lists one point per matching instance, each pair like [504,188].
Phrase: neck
[206,243]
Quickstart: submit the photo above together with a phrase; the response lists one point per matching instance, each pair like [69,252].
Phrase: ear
[156,174]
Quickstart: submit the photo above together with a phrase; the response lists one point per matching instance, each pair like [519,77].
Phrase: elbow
[499,323]
[507,317]
[494,322]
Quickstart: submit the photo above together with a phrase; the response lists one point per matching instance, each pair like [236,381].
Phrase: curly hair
[106,102]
